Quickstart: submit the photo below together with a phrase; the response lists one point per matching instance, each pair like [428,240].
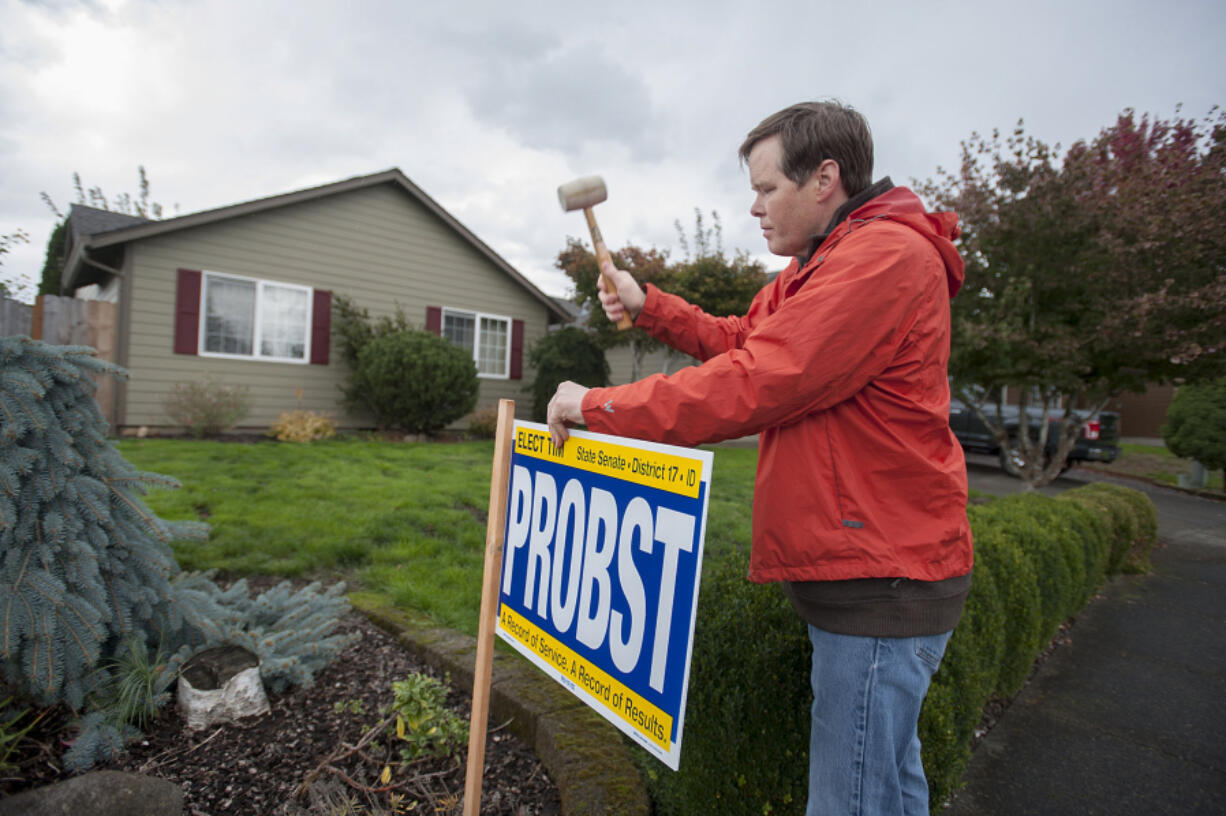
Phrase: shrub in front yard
[207,407]
[966,679]
[95,614]
[414,381]
[1132,519]
[1195,426]
[747,713]
[1018,589]
[1054,579]
[483,424]
[86,565]
[1037,561]
[302,426]
[566,354]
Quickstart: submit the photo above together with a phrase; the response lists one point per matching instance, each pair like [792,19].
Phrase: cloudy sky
[489,106]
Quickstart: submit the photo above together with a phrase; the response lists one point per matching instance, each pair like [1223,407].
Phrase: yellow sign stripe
[641,715]
[666,471]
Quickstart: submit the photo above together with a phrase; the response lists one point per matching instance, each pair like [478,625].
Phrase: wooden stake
[489,606]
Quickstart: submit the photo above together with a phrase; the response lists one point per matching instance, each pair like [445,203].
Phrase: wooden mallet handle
[602,255]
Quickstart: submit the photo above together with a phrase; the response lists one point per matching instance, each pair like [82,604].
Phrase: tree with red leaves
[1088,275]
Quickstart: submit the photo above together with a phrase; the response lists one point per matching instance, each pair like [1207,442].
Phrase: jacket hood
[941,228]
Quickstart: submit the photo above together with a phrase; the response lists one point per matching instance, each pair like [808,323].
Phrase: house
[242,295]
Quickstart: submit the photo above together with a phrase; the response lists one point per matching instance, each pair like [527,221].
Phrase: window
[243,317]
[488,337]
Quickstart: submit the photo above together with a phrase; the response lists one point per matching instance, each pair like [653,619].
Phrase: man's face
[789,214]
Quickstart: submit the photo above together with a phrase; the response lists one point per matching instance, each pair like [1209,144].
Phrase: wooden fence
[66,321]
[14,317]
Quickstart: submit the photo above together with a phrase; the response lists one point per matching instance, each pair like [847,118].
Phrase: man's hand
[565,410]
[627,300]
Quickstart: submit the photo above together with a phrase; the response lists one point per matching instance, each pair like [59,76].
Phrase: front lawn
[405,520]
[1155,463]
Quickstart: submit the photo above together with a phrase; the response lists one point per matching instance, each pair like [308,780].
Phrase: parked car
[1098,441]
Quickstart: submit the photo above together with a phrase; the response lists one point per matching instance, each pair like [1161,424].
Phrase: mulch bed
[259,765]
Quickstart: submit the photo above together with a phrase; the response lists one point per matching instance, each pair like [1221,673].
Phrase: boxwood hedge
[1038,560]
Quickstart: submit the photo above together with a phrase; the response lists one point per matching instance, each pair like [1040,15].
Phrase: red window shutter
[434,319]
[517,349]
[321,326]
[187,312]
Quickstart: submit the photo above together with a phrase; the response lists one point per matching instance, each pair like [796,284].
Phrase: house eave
[150,229]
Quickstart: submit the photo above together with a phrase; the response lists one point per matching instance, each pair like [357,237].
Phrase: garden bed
[259,765]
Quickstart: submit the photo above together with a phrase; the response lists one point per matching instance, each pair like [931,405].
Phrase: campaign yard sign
[601,559]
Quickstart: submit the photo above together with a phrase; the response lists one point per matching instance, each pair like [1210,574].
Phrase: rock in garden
[101,793]
[219,685]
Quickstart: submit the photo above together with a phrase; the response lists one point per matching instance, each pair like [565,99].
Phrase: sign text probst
[599,576]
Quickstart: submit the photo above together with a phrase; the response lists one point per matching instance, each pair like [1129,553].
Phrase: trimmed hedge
[747,713]
[1038,561]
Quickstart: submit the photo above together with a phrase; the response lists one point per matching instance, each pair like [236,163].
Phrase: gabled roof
[100,229]
[84,221]
[570,307]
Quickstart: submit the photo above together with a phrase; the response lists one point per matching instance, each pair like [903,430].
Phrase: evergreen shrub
[293,632]
[1135,523]
[747,712]
[1195,426]
[1018,588]
[1056,523]
[969,671]
[1120,525]
[566,354]
[747,722]
[415,381]
[1013,517]
[89,586]
[1092,531]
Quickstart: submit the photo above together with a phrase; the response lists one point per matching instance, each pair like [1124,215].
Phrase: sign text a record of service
[600,567]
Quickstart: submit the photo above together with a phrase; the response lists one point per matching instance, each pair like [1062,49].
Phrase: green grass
[406,521]
[1148,450]
[1156,463]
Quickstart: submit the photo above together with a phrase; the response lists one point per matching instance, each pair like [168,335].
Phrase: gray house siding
[376,245]
[660,361]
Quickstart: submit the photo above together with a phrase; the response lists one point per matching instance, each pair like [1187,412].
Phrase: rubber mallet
[583,194]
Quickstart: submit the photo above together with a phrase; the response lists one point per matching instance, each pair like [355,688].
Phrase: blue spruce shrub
[87,573]
[84,563]
[291,631]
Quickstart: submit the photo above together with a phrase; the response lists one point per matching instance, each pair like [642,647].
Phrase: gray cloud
[557,95]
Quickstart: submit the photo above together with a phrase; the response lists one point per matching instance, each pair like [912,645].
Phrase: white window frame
[255,354]
[477,318]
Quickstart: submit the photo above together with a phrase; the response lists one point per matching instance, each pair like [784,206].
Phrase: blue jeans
[864,752]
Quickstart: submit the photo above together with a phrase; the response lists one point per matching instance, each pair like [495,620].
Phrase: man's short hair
[812,132]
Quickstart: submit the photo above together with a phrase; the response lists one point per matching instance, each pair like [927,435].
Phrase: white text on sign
[570,540]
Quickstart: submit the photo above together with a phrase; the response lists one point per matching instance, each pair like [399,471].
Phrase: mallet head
[582,193]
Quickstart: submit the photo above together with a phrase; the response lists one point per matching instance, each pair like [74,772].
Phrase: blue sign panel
[601,561]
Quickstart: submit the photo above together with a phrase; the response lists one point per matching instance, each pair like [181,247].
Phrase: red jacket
[840,366]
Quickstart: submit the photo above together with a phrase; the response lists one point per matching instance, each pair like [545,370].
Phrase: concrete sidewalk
[1130,716]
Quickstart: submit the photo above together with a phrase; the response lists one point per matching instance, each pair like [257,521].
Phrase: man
[860,499]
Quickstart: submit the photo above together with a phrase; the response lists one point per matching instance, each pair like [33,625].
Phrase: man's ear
[828,178]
